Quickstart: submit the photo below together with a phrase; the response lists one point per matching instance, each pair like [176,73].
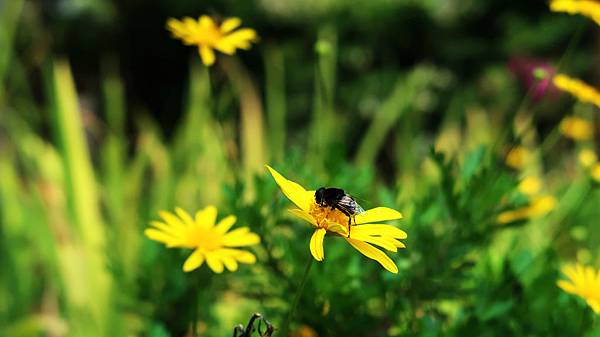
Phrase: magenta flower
[535,74]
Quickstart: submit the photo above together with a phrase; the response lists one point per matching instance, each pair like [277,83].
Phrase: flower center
[329,219]
[208,36]
[207,239]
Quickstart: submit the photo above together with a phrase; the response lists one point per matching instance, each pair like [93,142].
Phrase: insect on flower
[327,209]
[336,198]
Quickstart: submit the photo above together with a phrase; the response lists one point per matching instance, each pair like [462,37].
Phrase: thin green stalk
[252,143]
[10,13]
[93,298]
[391,110]
[550,140]
[288,320]
[571,46]
[324,128]
[275,100]
[195,311]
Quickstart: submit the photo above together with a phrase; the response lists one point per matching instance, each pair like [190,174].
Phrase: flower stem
[288,320]
[195,310]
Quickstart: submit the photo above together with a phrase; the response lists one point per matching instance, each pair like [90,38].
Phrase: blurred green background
[105,120]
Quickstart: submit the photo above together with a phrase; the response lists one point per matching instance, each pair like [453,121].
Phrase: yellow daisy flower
[207,35]
[530,186]
[588,8]
[577,88]
[584,282]
[576,128]
[596,172]
[211,243]
[517,157]
[538,207]
[363,235]
[587,158]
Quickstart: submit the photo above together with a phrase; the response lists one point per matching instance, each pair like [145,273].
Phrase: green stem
[550,140]
[575,38]
[195,312]
[288,320]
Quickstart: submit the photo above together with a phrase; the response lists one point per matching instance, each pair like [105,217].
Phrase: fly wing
[349,205]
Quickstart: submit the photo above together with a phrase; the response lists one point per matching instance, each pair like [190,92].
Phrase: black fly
[336,198]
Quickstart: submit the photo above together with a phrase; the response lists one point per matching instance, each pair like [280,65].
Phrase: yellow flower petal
[596,172]
[567,286]
[230,24]
[206,22]
[165,228]
[206,217]
[377,214]
[229,262]
[510,216]
[224,225]
[576,128]
[185,217]
[378,229]
[542,205]
[241,38]
[588,8]
[214,262]
[293,191]
[374,253]
[241,256]
[316,244]
[303,215]
[176,27]
[156,235]
[194,261]
[595,305]
[207,55]
[172,220]
[342,230]
[240,239]
[379,241]
[583,281]
[224,47]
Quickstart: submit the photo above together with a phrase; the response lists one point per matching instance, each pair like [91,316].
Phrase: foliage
[105,120]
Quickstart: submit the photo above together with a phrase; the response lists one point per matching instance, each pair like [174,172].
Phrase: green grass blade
[275,101]
[86,265]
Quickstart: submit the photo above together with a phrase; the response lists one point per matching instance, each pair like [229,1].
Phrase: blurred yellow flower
[207,35]
[539,206]
[588,8]
[517,157]
[326,221]
[587,158]
[304,331]
[211,243]
[584,282]
[577,88]
[530,185]
[576,128]
[596,172]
